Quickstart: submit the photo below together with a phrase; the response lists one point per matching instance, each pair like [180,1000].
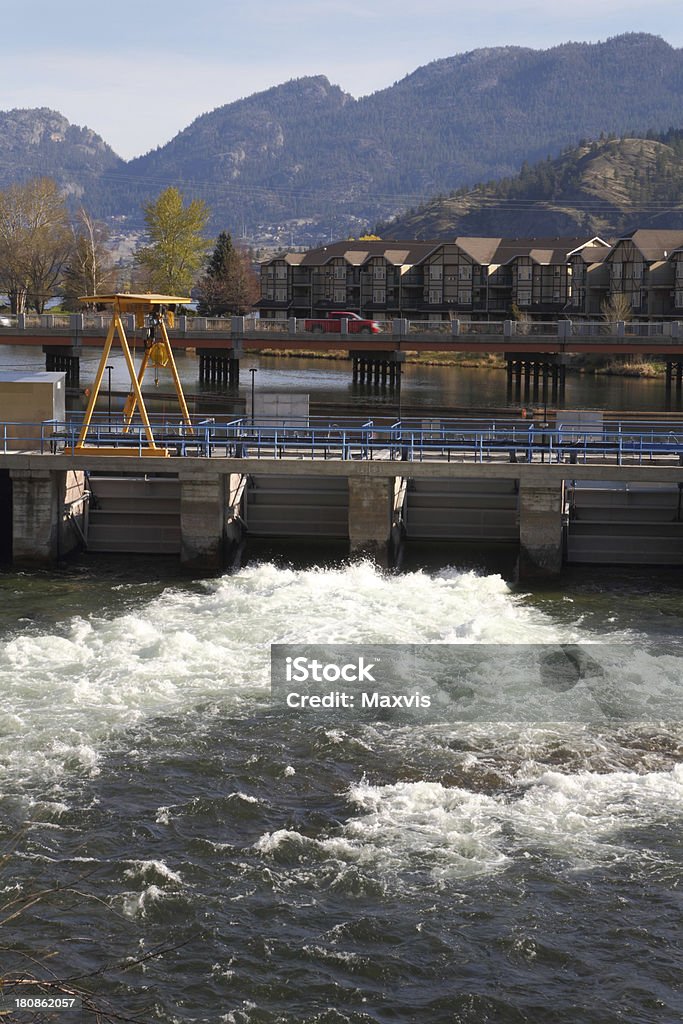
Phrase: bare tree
[90,269]
[35,242]
[615,307]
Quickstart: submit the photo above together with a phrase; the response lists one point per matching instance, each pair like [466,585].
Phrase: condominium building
[475,278]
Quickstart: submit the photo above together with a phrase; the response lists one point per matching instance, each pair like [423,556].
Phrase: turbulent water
[200,856]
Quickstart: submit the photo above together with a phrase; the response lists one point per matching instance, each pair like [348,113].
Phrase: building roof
[654,244]
[592,253]
[542,250]
[358,252]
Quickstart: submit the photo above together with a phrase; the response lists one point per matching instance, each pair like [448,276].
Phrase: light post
[109,369]
[253,370]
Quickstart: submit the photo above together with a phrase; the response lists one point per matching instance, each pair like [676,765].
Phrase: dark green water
[281,870]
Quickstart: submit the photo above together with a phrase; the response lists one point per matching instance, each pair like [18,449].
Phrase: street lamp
[109,369]
[253,370]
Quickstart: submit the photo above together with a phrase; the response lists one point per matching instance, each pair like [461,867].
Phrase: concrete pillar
[37,504]
[202,518]
[540,530]
[370,508]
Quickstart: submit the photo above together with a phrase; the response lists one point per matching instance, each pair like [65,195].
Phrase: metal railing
[448,441]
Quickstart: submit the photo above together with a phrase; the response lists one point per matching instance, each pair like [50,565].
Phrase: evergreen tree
[229,284]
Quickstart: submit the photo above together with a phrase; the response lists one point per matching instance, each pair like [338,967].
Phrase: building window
[435,272]
[340,294]
[679,299]
[465,296]
[340,272]
[523,273]
[465,272]
[434,295]
[380,272]
[636,299]
[524,297]
[281,273]
[379,295]
[280,294]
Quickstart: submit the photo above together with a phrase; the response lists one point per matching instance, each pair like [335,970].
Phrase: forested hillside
[608,186]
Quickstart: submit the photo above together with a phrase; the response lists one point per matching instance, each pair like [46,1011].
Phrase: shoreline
[471,361]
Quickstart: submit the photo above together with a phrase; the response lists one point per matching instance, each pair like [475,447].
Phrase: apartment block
[480,278]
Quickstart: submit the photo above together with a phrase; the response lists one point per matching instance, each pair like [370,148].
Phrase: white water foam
[584,819]
[65,693]
[581,820]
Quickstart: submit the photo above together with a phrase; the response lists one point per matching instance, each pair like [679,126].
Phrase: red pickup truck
[332,324]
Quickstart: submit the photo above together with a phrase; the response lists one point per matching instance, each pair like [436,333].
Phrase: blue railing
[474,441]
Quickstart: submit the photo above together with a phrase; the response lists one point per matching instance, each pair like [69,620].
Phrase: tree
[90,270]
[229,284]
[35,242]
[177,244]
[616,306]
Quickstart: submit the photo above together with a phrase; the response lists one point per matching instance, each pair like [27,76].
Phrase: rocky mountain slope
[304,160]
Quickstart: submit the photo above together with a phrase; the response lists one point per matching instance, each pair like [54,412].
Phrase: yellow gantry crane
[154,308]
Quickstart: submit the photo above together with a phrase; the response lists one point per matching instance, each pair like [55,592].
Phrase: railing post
[344,325]
[675,329]
[621,329]
[76,322]
[399,328]
[508,328]
[21,321]
[291,325]
[455,328]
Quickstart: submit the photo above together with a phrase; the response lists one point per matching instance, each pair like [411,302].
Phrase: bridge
[534,351]
[550,494]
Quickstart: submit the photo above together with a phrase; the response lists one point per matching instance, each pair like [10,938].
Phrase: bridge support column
[540,530]
[219,366]
[378,369]
[64,361]
[202,522]
[42,505]
[370,517]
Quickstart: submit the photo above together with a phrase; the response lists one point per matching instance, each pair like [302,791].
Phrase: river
[184,850]
[329,384]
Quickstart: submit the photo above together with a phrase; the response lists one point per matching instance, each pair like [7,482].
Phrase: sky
[139,71]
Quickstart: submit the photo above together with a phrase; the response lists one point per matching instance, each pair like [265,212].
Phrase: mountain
[304,160]
[604,187]
[42,143]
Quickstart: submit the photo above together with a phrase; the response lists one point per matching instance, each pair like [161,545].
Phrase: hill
[605,187]
[42,143]
[304,160]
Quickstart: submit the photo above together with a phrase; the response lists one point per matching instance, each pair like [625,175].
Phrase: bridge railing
[401,329]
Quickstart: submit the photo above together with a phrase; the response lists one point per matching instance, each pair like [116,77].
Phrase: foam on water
[580,820]
[66,692]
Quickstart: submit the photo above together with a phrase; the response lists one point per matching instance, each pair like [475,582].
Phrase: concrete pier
[202,517]
[46,508]
[370,517]
[541,507]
